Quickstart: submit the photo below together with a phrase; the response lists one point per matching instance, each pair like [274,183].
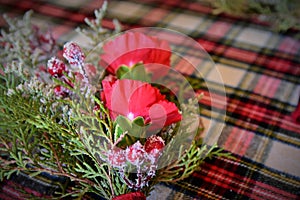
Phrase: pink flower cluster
[58,69]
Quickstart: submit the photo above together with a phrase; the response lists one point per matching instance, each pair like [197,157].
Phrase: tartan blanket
[260,70]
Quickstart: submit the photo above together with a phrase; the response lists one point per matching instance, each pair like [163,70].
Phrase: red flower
[134,98]
[132,48]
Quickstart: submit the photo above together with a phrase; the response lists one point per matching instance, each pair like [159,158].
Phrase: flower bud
[56,67]
[73,53]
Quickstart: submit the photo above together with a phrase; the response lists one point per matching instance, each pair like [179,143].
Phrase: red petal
[106,95]
[143,96]
[133,47]
[166,113]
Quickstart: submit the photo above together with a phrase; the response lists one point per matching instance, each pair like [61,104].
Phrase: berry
[60,91]
[116,157]
[154,145]
[135,154]
[56,67]
[78,76]
[96,108]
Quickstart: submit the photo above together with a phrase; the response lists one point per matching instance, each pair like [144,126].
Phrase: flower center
[131,63]
[130,116]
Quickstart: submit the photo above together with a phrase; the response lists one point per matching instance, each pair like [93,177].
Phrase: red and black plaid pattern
[260,70]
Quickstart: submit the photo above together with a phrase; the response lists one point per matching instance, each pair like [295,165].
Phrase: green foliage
[34,141]
[128,132]
[95,31]
[20,45]
[281,14]
[42,133]
[188,162]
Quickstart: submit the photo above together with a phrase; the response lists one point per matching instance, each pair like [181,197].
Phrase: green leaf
[122,71]
[126,141]
[124,123]
[136,72]
[8,174]
[139,121]
[34,173]
[118,132]
[138,128]
[134,128]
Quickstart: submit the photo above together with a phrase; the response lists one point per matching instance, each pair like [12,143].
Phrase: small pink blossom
[43,41]
[96,108]
[2,72]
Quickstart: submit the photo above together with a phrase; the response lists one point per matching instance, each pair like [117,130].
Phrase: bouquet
[112,119]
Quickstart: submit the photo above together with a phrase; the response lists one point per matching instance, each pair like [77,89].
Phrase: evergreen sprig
[281,14]
[23,44]
[95,30]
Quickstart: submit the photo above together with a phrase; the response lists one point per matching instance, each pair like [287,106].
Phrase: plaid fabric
[260,70]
